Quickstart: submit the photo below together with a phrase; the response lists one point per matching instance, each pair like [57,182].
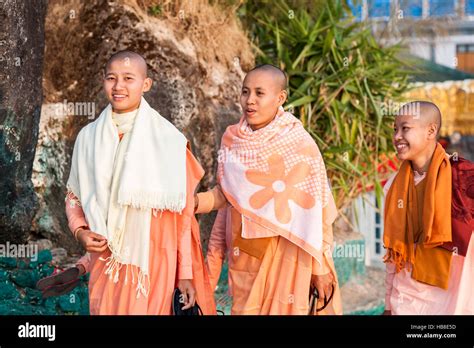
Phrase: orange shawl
[401,207]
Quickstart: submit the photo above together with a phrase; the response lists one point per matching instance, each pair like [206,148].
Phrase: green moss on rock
[25,277]
[8,262]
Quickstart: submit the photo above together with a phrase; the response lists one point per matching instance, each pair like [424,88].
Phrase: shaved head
[278,75]
[425,111]
[127,57]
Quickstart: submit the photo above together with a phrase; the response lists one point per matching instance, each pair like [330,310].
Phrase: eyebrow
[257,88]
[125,73]
[403,124]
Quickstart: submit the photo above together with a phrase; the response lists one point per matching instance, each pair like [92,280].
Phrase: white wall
[364,208]
[445,48]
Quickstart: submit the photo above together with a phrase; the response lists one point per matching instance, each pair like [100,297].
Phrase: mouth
[250,112]
[119,97]
[401,147]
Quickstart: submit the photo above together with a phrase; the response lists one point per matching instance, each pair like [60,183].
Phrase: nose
[398,135]
[117,85]
[251,99]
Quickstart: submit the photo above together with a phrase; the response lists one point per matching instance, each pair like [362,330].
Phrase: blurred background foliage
[342,84]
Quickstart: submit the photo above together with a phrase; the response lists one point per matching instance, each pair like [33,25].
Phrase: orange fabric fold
[172,257]
[201,282]
[255,247]
[432,266]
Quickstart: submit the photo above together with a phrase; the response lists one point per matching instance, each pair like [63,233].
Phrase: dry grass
[212,26]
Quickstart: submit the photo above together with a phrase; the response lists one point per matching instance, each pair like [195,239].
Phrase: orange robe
[175,253]
[278,282]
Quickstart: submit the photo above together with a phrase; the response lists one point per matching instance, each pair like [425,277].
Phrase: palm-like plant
[341,81]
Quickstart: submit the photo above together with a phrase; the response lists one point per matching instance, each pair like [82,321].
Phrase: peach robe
[175,253]
[278,283]
[405,295]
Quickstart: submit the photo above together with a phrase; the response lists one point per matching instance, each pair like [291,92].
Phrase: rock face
[21,64]
[196,59]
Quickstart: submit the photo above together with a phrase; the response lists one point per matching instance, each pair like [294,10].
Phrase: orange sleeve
[210,200]
[329,215]
[194,173]
[75,214]
[85,261]
[216,248]
[323,267]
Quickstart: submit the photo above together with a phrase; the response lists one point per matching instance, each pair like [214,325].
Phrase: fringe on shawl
[174,202]
[396,257]
[114,264]
[113,270]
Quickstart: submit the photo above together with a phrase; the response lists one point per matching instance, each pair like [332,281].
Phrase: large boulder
[21,65]
[196,58]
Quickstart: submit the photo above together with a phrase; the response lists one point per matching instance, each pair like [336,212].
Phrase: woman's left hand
[323,283]
[188,293]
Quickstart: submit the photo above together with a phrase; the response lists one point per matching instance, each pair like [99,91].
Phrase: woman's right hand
[91,241]
[205,202]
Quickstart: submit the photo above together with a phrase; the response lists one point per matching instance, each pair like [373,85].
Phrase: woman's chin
[120,108]
[403,156]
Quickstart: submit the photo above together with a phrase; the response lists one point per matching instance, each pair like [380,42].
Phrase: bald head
[426,112]
[278,75]
[128,58]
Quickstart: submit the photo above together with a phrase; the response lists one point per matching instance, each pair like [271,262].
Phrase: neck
[422,163]
[124,111]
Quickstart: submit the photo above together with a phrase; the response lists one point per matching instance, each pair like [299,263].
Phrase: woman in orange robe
[175,253]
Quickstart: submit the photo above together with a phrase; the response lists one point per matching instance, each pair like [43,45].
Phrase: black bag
[178,304]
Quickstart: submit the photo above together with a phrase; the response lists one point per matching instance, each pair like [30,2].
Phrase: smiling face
[260,97]
[412,137]
[124,83]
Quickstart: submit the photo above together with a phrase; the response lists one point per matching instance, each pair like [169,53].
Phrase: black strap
[315,295]
[198,308]
[177,306]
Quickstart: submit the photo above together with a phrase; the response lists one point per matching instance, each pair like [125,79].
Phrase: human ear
[432,131]
[147,84]
[282,97]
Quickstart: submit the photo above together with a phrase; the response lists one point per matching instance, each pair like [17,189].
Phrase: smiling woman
[125,81]
[136,255]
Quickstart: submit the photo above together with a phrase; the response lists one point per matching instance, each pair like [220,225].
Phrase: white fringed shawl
[119,182]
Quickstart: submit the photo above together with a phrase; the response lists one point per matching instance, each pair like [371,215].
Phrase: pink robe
[405,295]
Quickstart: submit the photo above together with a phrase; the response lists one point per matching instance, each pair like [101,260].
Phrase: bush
[340,84]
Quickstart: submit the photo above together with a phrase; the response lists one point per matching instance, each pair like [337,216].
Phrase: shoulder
[305,143]
[389,183]
[193,167]
[231,129]
[165,126]
[86,131]
[227,137]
